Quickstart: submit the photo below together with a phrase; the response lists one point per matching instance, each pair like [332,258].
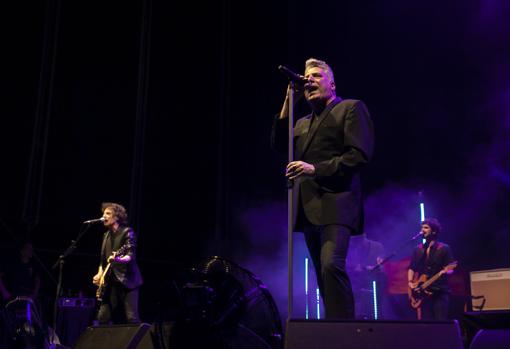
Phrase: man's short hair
[434,224]
[314,62]
[119,211]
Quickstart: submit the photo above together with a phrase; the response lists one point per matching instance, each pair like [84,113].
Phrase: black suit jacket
[127,273]
[339,143]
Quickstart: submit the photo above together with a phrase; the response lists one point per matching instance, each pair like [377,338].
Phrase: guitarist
[120,300]
[428,259]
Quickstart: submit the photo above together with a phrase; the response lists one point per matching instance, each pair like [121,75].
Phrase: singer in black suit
[120,302]
[331,146]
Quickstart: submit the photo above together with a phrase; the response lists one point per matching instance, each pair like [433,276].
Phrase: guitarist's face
[109,218]
[427,231]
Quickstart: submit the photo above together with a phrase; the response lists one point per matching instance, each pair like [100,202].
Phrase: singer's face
[320,87]
[426,230]
[109,217]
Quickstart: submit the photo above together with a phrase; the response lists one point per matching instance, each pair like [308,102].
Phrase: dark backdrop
[168,110]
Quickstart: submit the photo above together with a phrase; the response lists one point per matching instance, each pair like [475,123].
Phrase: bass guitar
[417,294]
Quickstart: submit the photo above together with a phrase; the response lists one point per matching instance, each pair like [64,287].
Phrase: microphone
[94,220]
[296,78]
[417,234]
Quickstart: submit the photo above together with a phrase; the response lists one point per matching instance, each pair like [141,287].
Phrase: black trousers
[436,306]
[120,305]
[328,247]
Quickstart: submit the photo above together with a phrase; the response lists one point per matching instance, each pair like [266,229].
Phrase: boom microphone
[94,220]
[296,78]
[418,234]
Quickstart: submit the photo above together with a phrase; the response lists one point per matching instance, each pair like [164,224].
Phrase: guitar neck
[106,268]
[449,267]
[114,254]
[432,279]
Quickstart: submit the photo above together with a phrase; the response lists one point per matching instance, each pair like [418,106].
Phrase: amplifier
[490,289]
[77,302]
[73,317]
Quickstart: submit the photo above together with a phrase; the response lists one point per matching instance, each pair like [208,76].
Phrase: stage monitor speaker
[373,334]
[491,339]
[490,289]
[472,322]
[135,336]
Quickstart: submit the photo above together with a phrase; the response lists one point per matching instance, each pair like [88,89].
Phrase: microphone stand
[290,204]
[60,263]
[391,255]
[378,266]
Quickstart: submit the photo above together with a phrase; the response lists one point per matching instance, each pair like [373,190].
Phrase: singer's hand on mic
[297,169]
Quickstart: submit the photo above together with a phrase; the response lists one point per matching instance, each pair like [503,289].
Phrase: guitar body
[102,281]
[417,294]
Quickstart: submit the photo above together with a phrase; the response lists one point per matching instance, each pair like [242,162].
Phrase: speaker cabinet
[136,336]
[491,339]
[74,316]
[373,334]
[490,289]
[472,323]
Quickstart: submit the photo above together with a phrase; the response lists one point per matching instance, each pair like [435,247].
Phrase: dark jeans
[435,307]
[120,305]
[328,247]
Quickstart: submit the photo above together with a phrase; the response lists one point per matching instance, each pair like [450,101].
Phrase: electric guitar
[417,294]
[102,281]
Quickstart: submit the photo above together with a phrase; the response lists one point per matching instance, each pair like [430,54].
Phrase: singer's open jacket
[339,143]
[127,273]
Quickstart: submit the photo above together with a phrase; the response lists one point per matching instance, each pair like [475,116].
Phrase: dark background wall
[168,110]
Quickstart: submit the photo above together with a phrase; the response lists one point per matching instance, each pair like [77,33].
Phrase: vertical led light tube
[306,288]
[422,215]
[374,292]
[318,304]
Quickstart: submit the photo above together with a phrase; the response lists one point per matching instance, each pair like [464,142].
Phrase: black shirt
[440,256]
